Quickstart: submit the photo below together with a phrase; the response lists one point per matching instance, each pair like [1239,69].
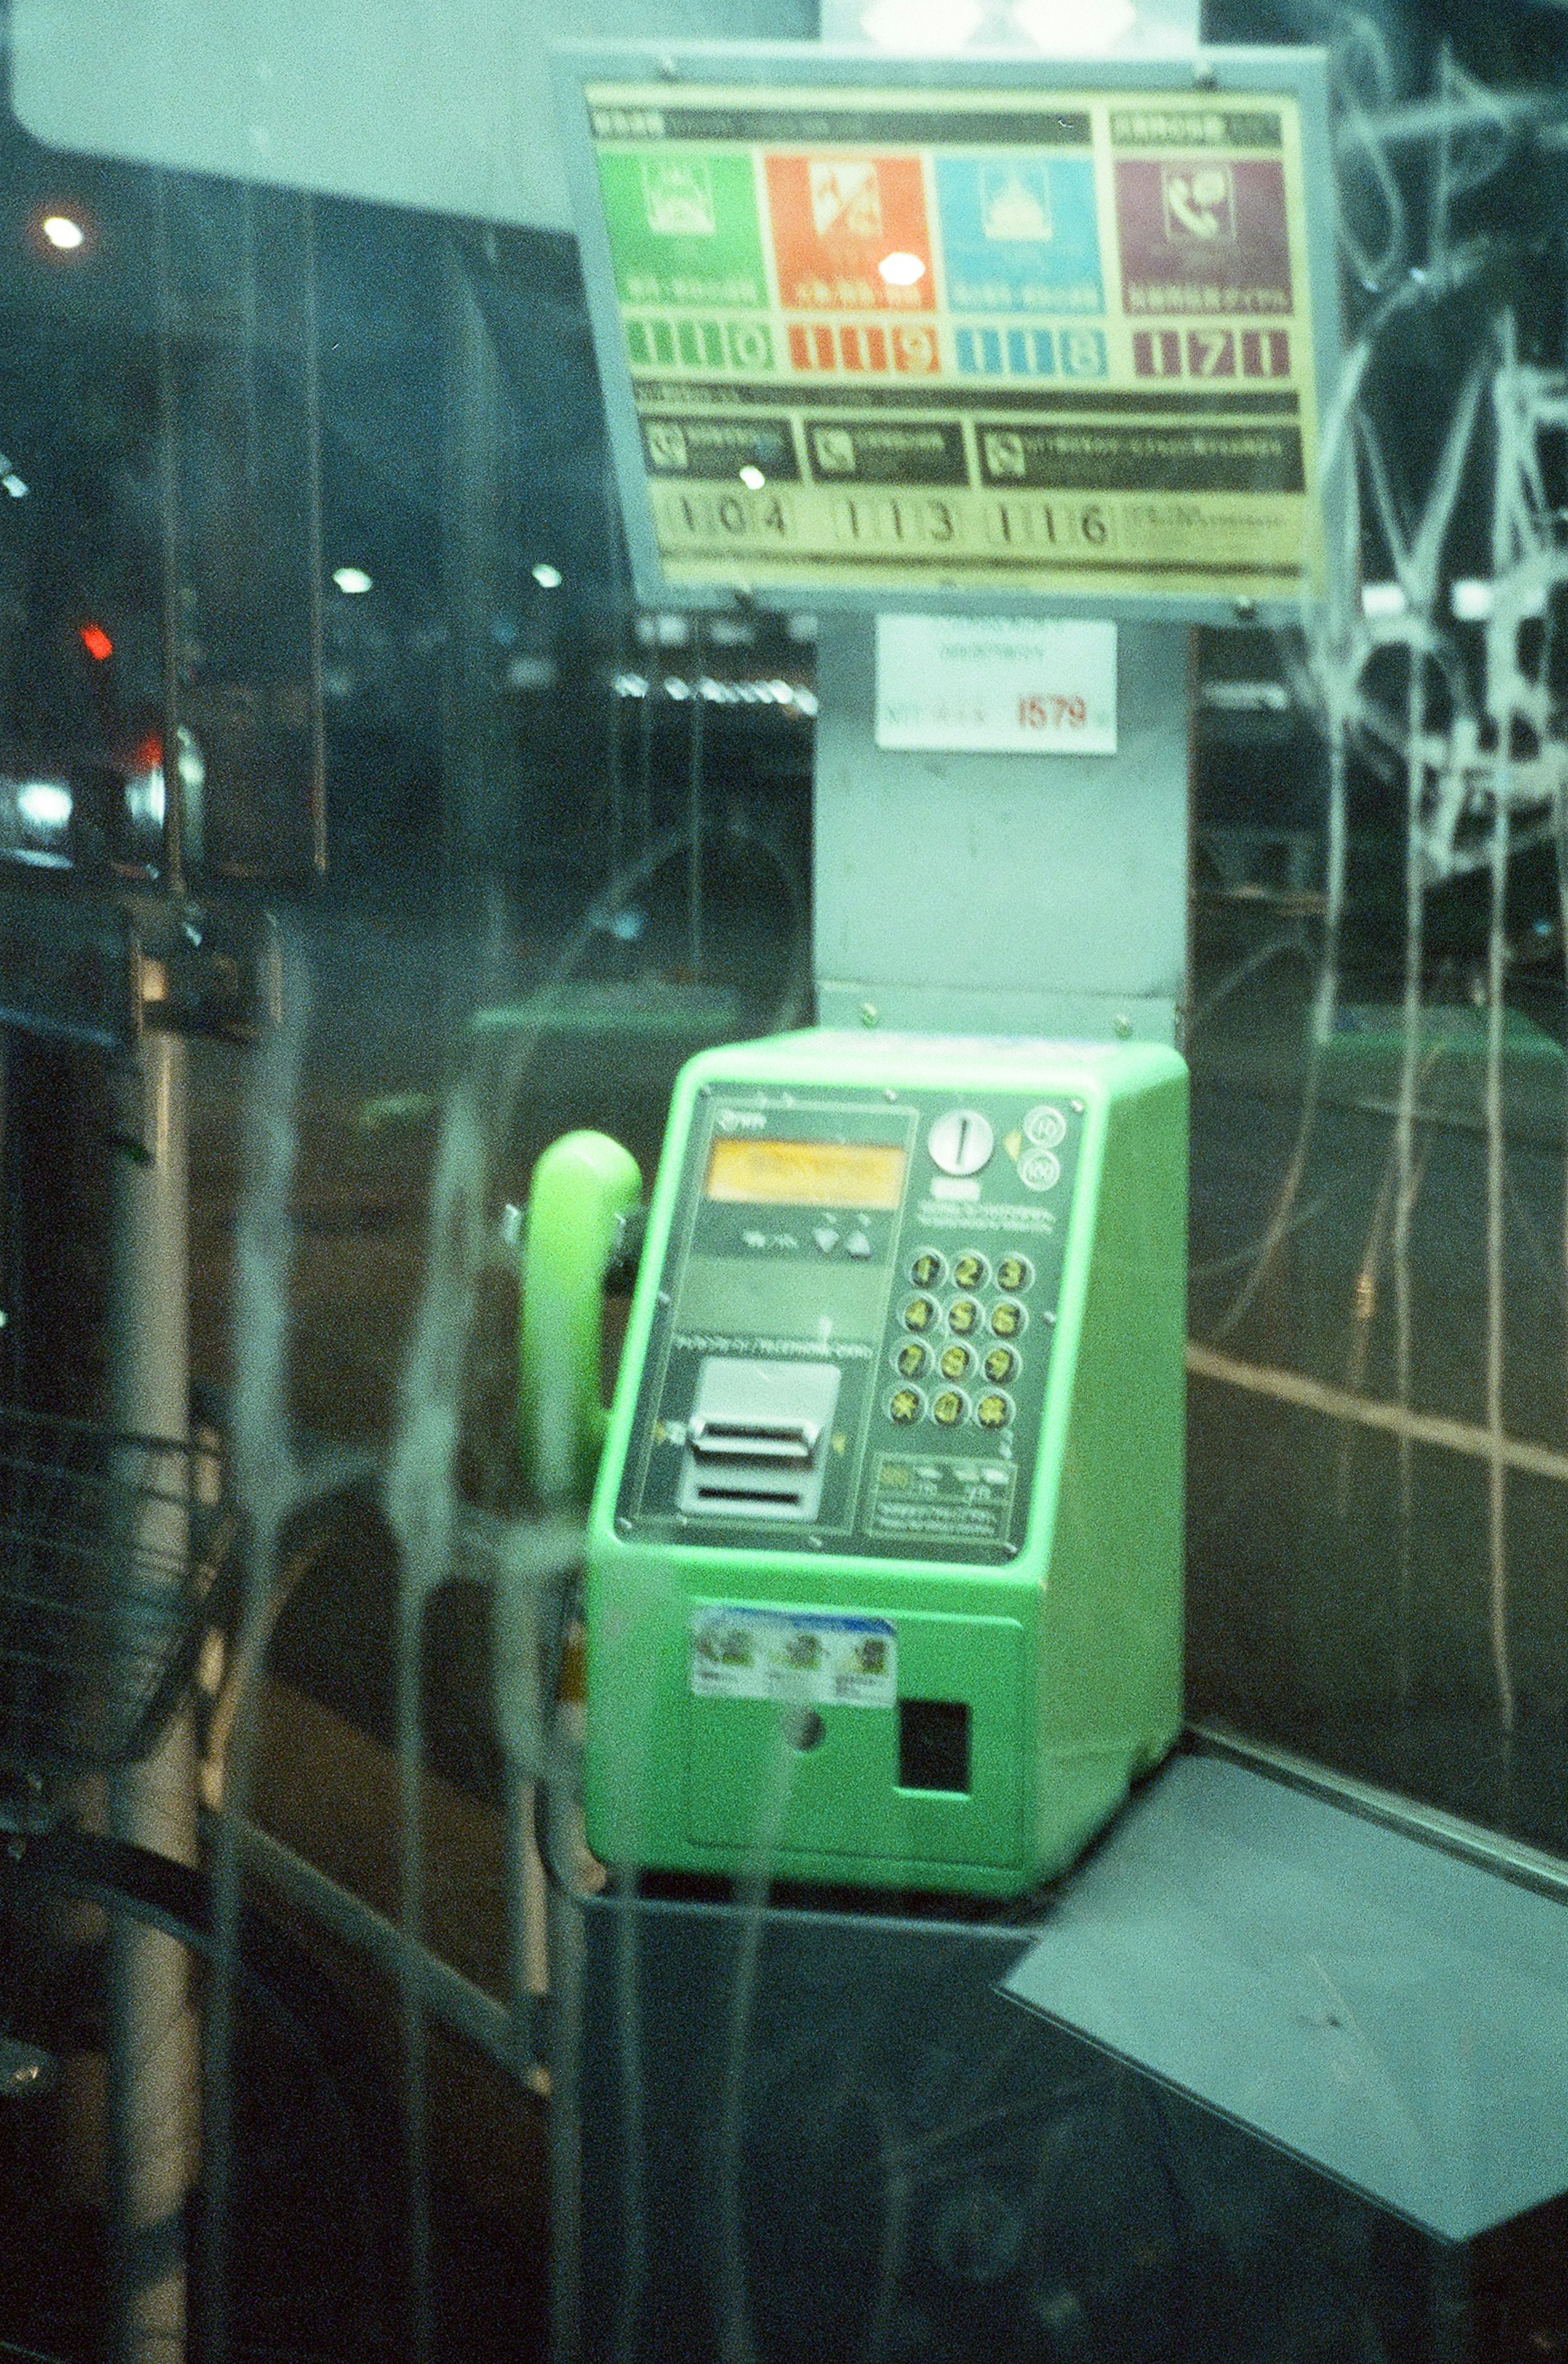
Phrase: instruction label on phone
[764,1653]
[956,682]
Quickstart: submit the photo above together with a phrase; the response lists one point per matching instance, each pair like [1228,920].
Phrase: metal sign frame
[1212,78]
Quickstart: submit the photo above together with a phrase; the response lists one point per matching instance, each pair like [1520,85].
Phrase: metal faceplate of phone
[864,1373]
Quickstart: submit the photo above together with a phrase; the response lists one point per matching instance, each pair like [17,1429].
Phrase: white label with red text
[993,687]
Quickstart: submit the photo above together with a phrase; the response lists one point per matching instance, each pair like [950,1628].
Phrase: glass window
[361,835]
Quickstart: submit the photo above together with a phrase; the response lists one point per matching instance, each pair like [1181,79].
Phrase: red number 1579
[1051,713]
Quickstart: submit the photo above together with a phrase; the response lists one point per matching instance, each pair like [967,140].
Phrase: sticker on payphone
[957,1501]
[768,1653]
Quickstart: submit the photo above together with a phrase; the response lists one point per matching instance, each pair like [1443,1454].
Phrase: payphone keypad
[987,1366]
[909,1245]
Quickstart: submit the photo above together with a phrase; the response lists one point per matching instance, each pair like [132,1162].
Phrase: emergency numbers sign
[997,340]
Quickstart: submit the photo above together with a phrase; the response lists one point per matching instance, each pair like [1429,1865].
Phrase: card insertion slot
[757,1439]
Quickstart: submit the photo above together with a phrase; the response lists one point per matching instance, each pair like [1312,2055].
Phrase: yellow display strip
[805,1173]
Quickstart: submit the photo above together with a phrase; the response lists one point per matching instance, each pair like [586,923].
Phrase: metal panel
[405,106]
[1394,2014]
[817,2134]
[68,966]
[1041,895]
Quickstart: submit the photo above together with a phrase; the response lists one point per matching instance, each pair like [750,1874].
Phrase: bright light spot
[630,685]
[144,796]
[752,478]
[901,270]
[1076,28]
[547,578]
[1382,599]
[97,642]
[1472,602]
[673,688]
[14,486]
[191,764]
[1247,696]
[806,701]
[352,579]
[44,804]
[531,673]
[63,232]
[921,28]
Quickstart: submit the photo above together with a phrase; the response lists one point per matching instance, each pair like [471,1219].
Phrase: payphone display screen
[805,1173]
[1020,340]
[857,1306]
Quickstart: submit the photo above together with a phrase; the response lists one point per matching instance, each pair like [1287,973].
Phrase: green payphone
[883,1567]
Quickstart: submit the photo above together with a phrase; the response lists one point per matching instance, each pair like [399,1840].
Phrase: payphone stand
[1016,893]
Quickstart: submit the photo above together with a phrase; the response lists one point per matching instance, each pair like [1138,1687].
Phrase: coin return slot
[757,1439]
[933,1745]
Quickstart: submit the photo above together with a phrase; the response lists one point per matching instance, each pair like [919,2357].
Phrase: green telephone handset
[583,1186]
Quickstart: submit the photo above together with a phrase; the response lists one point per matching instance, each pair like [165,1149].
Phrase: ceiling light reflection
[1076,28]
[921,28]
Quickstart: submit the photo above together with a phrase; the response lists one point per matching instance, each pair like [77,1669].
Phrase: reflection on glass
[467,853]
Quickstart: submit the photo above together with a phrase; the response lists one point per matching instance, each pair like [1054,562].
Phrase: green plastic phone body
[884,1569]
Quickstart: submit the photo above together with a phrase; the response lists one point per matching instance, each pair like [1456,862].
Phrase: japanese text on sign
[968,338]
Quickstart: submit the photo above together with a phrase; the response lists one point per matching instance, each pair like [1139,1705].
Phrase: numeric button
[904,1406]
[1000,1365]
[963,1317]
[953,1362]
[919,1314]
[911,1360]
[949,1407]
[994,1411]
[971,1272]
[1007,1319]
[928,1269]
[1014,1275]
